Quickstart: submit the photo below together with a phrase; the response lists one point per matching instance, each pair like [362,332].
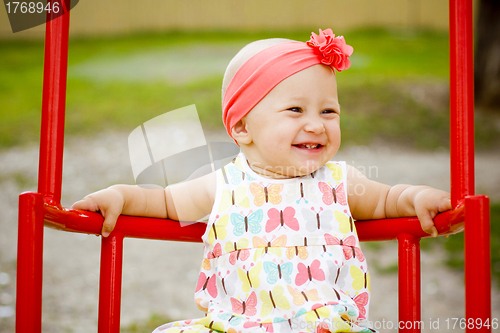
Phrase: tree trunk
[487,55]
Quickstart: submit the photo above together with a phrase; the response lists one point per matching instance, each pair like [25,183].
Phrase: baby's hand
[108,202]
[427,204]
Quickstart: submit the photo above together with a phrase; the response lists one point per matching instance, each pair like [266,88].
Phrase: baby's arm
[189,201]
[372,200]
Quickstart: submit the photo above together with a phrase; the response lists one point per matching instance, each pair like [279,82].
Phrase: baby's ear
[240,132]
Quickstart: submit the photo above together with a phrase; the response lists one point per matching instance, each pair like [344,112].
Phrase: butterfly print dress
[280,256]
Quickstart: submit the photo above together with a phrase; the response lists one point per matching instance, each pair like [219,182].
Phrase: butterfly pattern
[247,223]
[333,194]
[266,193]
[279,253]
[238,250]
[309,273]
[315,220]
[263,246]
[235,197]
[218,230]
[348,246]
[281,218]
[278,271]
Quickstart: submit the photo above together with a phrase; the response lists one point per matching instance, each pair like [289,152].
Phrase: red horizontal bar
[129,226]
[447,223]
[162,229]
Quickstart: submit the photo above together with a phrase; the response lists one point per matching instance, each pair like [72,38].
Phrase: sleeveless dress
[281,255]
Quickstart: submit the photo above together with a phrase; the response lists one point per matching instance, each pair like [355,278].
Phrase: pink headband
[262,72]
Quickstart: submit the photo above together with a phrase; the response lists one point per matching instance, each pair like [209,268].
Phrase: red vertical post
[110,284]
[477,235]
[477,264]
[30,235]
[409,283]
[29,264]
[461,100]
[53,106]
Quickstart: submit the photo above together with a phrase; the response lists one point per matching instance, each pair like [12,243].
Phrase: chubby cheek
[271,147]
[277,149]
[336,142]
[334,137]
[277,137]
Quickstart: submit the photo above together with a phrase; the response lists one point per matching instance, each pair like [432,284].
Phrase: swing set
[470,212]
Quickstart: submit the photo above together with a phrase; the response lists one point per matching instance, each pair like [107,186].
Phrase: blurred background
[130,61]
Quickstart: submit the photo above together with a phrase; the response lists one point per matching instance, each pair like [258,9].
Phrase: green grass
[375,93]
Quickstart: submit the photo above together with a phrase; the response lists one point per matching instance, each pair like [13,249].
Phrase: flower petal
[334,50]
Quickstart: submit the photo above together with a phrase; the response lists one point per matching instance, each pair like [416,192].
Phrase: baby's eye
[329,111]
[295,109]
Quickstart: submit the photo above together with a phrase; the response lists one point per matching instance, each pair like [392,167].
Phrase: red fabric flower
[334,50]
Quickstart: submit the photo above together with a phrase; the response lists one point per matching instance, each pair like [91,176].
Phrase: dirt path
[159,277]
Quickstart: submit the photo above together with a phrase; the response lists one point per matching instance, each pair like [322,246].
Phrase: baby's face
[295,128]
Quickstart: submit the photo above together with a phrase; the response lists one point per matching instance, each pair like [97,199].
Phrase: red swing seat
[470,212]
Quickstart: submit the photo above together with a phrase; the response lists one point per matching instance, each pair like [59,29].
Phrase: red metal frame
[110,284]
[409,283]
[461,101]
[43,207]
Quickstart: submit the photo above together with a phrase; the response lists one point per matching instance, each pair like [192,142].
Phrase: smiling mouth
[308,146]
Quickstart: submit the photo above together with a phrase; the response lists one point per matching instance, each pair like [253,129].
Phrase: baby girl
[281,248]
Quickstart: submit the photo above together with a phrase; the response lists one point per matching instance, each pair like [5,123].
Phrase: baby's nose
[314,125]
